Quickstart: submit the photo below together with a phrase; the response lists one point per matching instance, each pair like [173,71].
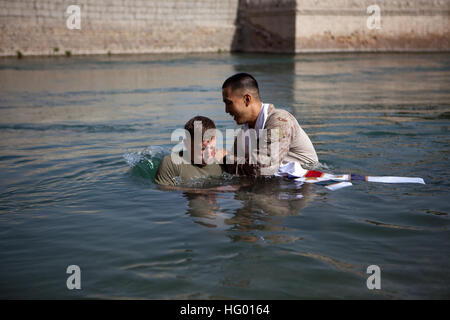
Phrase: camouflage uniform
[285,140]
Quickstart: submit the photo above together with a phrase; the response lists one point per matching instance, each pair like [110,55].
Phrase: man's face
[207,154]
[208,150]
[235,105]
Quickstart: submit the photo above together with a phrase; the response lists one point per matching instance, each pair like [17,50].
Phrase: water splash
[145,163]
[133,158]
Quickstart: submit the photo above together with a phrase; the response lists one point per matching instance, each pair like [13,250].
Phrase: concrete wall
[117,26]
[265,26]
[341,25]
[38,27]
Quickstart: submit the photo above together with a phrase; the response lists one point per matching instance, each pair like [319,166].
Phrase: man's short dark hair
[207,123]
[242,81]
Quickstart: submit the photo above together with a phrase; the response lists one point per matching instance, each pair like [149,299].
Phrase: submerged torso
[168,171]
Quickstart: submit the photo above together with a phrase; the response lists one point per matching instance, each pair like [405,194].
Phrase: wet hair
[242,81]
[207,123]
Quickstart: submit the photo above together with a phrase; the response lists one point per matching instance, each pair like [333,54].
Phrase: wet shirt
[290,143]
[168,171]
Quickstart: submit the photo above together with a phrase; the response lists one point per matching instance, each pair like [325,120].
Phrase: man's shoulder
[170,161]
[166,171]
[277,111]
[167,159]
[279,117]
[176,161]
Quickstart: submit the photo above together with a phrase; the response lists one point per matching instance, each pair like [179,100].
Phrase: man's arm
[273,146]
[166,172]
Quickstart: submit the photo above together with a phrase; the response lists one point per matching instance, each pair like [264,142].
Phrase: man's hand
[220,154]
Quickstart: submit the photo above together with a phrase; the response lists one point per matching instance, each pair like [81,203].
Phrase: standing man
[279,137]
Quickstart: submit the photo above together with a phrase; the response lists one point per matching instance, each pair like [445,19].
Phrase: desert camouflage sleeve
[273,146]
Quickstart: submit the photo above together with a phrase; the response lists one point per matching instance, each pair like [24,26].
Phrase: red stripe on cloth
[312,173]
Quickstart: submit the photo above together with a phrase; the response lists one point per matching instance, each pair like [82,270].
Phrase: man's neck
[255,116]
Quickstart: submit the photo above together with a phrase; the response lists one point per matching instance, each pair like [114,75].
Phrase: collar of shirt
[261,120]
[259,125]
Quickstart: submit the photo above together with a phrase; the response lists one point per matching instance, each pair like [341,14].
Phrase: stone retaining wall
[38,27]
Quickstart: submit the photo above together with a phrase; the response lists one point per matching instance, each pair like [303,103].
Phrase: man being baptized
[199,160]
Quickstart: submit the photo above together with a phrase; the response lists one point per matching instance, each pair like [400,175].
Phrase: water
[81,138]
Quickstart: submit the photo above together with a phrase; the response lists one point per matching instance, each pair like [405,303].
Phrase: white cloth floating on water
[324,177]
[395,179]
[293,170]
[339,185]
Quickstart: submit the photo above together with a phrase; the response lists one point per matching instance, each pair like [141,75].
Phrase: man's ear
[247,99]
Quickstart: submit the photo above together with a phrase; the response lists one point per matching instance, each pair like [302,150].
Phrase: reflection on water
[81,139]
[263,202]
